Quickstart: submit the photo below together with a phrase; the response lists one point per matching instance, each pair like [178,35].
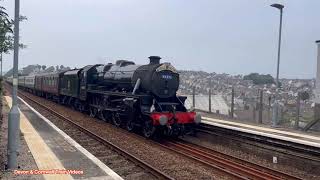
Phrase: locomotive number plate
[164,76]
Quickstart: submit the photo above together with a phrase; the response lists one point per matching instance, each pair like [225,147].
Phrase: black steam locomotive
[128,95]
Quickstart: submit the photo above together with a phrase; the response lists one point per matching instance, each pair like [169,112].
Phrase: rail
[154,171]
[232,166]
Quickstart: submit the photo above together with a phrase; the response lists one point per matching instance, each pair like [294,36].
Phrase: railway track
[274,145]
[235,167]
[133,168]
[122,162]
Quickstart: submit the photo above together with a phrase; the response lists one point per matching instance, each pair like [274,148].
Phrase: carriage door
[83,85]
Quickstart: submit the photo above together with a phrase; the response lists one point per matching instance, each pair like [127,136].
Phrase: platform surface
[52,149]
[300,138]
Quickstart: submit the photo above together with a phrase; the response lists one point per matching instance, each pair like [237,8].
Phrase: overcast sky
[231,36]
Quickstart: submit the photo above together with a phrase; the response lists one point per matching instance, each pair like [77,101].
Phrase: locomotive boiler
[162,80]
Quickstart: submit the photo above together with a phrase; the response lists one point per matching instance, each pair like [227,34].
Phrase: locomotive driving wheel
[116,119]
[104,115]
[93,111]
[130,125]
[148,129]
[82,108]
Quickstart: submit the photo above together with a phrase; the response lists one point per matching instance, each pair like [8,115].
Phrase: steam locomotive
[137,97]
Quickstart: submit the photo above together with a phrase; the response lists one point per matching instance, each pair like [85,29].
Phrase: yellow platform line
[42,154]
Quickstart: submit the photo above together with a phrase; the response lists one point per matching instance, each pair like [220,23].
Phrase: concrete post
[269,107]
[260,107]
[275,112]
[14,115]
[280,114]
[296,125]
[232,103]
[210,95]
[194,97]
[316,114]
[254,113]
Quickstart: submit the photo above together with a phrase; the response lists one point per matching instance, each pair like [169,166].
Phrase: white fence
[202,103]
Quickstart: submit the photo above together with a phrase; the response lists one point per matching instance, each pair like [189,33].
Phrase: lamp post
[276,104]
[14,115]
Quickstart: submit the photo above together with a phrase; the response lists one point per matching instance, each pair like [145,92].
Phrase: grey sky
[231,36]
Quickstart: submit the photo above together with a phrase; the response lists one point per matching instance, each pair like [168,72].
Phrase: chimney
[154,59]
[317,90]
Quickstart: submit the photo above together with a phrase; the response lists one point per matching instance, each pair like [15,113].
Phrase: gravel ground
[311,172]
[216,143]
[173,164]
[25,159]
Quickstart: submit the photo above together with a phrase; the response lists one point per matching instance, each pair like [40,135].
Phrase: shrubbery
[259,78]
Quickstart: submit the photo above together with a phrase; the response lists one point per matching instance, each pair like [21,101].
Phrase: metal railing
[254,107]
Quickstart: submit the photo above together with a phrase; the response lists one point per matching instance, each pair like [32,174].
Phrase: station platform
[55,151]
[295,137]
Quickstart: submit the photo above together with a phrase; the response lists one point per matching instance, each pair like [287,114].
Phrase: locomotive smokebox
[154,59]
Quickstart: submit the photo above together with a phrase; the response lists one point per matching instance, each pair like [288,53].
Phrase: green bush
[259,78]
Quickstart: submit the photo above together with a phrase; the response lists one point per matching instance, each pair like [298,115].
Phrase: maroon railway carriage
[47,85]
[50,84]
[38,85]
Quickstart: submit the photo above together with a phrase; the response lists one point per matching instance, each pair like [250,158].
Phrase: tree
[43,67]
[259,78]
[29,69]
[25,71]
[304,95]
[6,33]
[49,69]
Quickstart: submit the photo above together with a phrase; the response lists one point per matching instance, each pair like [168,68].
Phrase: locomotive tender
[130,95]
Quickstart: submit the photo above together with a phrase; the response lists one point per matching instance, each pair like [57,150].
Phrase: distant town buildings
[246,93]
